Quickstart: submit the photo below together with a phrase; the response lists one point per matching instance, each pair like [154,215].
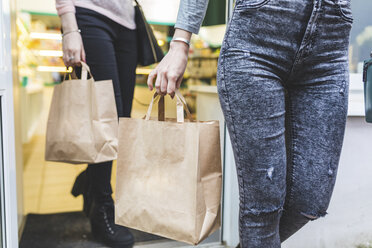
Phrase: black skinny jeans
[111,53]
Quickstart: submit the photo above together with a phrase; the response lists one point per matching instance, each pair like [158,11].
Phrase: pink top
[120,11]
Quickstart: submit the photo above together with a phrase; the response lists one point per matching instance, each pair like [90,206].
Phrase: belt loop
[320,4]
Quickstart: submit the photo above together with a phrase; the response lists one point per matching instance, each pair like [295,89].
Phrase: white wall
[160,10]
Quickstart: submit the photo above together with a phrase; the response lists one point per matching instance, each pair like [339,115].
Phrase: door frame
[8,172]
[9,187]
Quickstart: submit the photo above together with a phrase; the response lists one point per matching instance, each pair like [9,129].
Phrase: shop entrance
[47,199]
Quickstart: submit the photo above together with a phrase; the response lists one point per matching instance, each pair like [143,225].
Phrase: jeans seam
[234,137]
[292,147]
[228,30]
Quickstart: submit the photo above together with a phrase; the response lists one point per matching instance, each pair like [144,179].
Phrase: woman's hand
[169,72]
[73,49]
[72,43]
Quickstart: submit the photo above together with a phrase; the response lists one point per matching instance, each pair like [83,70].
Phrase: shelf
[203,89]
[161,23]
[39,13]
[143,71]
[34,88]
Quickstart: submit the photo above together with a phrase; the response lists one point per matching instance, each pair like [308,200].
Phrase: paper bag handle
[181,107]
[84,72]
[71,75]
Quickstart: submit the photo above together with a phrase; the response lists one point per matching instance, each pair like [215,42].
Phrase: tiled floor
[47,185]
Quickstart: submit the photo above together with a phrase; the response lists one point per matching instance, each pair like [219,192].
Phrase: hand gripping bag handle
[181,107]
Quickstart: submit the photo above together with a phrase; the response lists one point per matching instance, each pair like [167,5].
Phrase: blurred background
[35,194]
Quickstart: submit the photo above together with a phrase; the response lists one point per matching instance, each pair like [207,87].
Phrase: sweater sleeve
[65,6]
[191,14]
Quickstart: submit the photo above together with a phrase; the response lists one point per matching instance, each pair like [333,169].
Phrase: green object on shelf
[24,81]
[39,13]
[367,78]
[50,84]
[161,23]
[216,13]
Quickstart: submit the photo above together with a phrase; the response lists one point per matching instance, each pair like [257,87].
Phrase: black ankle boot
[104,228]
[82,187]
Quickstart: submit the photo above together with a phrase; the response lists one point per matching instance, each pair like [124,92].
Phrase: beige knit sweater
[120,11]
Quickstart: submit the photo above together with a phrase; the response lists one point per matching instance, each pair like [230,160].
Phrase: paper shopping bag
[169,175]
[83,123]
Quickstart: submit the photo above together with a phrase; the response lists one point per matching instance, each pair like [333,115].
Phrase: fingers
[76,58]
[72,57]
[66,60]
[73,50]
[150,79]
[179,81]
[161,82]
[158,82]
[172,81]
[164,84]
[83,56]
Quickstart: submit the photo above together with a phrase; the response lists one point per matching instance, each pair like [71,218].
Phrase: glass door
[1,181]
[8,187]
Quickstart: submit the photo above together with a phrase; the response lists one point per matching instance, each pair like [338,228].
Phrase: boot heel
[79,185]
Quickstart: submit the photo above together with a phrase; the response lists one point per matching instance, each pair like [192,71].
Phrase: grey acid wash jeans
[283,87]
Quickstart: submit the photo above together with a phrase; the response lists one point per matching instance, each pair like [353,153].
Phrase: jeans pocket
[250,4]
[344,8]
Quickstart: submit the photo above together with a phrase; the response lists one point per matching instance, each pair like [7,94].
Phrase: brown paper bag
[169,176]
[83,123]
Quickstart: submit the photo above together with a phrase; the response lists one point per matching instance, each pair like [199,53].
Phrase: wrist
[70,32]
[179,46]
[181,39]
[68,21]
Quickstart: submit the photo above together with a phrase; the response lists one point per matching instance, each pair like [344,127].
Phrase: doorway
[47,185]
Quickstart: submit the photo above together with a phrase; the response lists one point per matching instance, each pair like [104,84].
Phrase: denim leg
[253,102]
[316,116]
[256,57]
[273,49]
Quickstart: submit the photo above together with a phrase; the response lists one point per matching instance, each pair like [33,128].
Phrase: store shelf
[34,89]
[161,23]
[143,71]
[39,13]
[203,89]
